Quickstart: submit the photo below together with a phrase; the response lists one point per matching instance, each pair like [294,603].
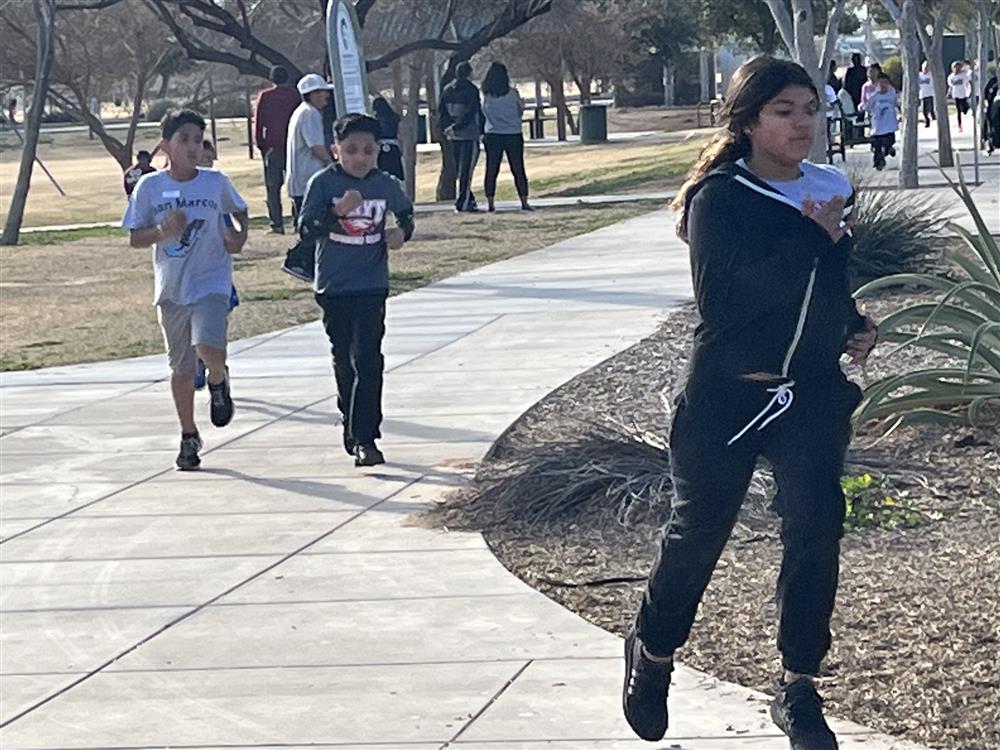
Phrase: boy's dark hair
[463,70]
[355,123]
[143,155]
[856,58]
[172,122]
[875,66]
[884,77]
[279,75]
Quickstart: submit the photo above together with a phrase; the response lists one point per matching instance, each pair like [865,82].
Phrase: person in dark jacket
[390,157]
[461,117]
[833,80]
[855,77]
[769,240]
[344,216]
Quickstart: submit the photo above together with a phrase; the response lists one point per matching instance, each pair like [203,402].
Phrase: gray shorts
[204,322]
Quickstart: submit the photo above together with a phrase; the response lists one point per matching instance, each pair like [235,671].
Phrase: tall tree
[933,45]
[45,19]
[910,47]
[797,31]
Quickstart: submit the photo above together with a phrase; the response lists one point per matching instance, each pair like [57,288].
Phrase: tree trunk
[45,16]
[559,101]
[408,129]
[939,78]
[910,43]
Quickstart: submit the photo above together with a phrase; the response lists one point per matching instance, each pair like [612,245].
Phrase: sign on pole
[347,58]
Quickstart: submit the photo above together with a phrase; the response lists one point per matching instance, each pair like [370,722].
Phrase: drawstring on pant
[783,397]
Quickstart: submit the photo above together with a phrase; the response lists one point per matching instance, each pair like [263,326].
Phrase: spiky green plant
[963,324]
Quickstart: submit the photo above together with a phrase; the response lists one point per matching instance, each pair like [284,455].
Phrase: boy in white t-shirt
[927,93]
[181,212]
[882,106]
[960,84]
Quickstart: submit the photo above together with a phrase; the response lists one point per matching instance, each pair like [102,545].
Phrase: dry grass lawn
[92,179]
[89,299]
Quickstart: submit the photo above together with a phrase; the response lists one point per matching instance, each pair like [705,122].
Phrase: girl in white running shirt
[927,94]
[960,83]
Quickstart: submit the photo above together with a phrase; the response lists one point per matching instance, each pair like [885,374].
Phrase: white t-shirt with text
[196,264]
[961,85]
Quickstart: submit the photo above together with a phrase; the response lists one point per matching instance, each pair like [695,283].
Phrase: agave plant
[963,324]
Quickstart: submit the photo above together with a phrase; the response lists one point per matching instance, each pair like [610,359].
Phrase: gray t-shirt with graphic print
[196,264]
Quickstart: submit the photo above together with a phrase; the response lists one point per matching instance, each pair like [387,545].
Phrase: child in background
[927,93]
[871,85]
[143,165]
[207,161]
[960,83]
[883,106]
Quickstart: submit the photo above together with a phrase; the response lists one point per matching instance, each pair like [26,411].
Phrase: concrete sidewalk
[282,598]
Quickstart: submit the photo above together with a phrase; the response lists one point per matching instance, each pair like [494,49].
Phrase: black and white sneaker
[221,402]
[797,710]
[644,695]
[188,459]
[368,454]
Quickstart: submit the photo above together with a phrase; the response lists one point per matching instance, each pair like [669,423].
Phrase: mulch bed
[916,625]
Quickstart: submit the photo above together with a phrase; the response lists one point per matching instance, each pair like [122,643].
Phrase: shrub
[896,233]
[871,505]
[893,67]
[964,324]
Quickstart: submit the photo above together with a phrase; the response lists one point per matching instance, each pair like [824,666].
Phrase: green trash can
[593,123]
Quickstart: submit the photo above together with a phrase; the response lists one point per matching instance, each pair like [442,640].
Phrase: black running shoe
[221,402]
[644,695]
[368,455]
[797,710]
[188,459]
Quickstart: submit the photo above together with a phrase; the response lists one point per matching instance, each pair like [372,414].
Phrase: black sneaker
[300,262]
[797,710]
[368,455]
[221,402]
[188,459]
[644,695]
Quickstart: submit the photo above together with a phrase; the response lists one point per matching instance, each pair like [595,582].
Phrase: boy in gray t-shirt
[181,212]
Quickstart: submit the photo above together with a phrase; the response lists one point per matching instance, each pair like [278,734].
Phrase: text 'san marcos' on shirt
[196,264]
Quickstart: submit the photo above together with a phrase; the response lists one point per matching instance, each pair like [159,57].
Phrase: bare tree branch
[831,33]
[361,8]
[89,5]
[783,21]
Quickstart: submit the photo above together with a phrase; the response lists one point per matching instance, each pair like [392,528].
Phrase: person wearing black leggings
[502,108]
[769,240]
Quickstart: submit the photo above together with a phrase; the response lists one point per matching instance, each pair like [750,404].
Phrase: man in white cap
[307,154]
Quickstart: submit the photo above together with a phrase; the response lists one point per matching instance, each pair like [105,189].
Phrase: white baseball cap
[312,82]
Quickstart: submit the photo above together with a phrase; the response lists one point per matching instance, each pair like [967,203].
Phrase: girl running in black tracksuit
[768,234]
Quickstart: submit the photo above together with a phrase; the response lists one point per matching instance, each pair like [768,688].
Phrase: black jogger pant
[928,109]
[806,447]
[355,327]
[466,156]
[881,145]
[274,178]
[497,145]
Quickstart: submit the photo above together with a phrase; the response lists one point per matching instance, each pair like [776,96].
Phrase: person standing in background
[855,78]
[503,109]
[272,112]
[390,158]
[461,118]
[833,80]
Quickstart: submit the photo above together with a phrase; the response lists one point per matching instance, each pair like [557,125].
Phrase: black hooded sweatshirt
[771,286]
